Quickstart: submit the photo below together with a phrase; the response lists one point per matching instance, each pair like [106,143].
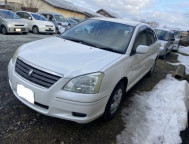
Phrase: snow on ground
[184,60]
[157,117]
[184,50]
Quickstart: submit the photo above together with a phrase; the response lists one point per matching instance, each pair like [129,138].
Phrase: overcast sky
[172,13]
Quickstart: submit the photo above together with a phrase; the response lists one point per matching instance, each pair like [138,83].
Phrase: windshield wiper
[110,49]
[93,45]
[80,41]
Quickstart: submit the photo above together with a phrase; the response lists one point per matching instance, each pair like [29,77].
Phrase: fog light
[78,114]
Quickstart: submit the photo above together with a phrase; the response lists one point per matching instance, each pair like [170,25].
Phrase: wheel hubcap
[3,30]
[116,101]
[35,30]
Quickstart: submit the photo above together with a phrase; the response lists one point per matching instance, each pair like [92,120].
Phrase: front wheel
[35,30]
[114,101]
[4,30]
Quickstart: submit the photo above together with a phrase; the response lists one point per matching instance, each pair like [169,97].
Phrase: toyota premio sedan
[85,72]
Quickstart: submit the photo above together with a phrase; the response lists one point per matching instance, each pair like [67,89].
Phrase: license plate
[18,30]
[25,93]
[49,28]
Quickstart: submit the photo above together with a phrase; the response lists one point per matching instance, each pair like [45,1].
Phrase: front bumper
[58,103]
[43,29]
[17,29]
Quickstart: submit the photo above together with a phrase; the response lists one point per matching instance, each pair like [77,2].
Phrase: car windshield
[73,22]
[39,17]
[8,15]
[176,34]
[162,34]
[110,36]
[60,18]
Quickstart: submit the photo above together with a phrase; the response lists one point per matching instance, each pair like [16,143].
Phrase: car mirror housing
[30,18]
[142,49]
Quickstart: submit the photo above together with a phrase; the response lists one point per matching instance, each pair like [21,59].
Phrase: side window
[151,37]
[26,16]
[50,18]
[20,14]
[141,39]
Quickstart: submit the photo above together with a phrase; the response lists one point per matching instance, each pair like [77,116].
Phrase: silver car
[166,39]
[12,23]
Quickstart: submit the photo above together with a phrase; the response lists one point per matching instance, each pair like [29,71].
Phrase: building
[57,6]
[107,13]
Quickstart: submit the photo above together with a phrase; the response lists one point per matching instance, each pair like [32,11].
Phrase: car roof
[164,29]
[28,12]
[52,13]
[121,21]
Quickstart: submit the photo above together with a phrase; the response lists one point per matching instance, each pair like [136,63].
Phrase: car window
[141,39]
[151,37]
[162,34]
[39,17]
[8,14]
[60,18]
[24,15]
[101,34]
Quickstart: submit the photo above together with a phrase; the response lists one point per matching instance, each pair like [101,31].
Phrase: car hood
[15,21]
[66,57]
[45,22]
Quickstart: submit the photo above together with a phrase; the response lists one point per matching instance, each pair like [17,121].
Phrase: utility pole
[6,4]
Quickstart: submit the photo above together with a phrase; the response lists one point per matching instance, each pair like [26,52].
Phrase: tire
[149,74]
[114,102]
[35,30]
[4,30]
[164,55]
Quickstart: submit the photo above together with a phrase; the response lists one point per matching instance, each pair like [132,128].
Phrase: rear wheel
[3,30]
[114,101]
[35,30]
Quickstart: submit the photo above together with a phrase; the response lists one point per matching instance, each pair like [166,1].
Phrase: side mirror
[142,49]
[30,18]
[173,39]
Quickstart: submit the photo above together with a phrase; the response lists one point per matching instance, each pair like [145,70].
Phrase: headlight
[60,24]
[10,24]
[15,54]
[86,84]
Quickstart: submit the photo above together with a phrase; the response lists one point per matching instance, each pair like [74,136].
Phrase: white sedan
[84,73]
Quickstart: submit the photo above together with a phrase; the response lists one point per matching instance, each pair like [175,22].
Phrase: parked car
[72,22]
[85,72]
[166,38]
[36,22]
[177,36]
[12,23]
[59,21]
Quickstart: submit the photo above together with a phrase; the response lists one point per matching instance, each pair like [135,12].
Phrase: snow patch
[157,117]
[184,60]
[184,50]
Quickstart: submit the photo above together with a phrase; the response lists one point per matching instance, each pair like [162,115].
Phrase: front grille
[48,25]
[19,25]
[35,75]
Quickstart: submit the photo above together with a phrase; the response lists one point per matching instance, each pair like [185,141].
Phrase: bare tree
[6,4]
[31,5]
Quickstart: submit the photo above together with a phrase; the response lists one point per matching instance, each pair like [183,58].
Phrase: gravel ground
[20,124]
